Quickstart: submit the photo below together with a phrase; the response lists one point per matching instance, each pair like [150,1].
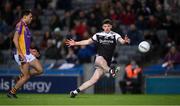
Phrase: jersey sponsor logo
[39,86]
[106,41]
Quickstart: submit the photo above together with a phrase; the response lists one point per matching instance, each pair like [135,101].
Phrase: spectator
[47,36]
[92,30]
[105,6]
[97,10]
[60,43]
[67,20]
[144,10]
[80,28]
[141,23]
[171,59]
[127,17]
[43,4]
[73,35]
[152,22]
[7,42]
[37,38]
[117,28]
[152,37]
[18,12]
[36,23]
[132,78]
[52,51]
[134,35]
[7,13]
[71,60]
[81,16]
[113,15]
[118,6]
[159,12]
[85,53]
[71,56]
[1,42]
[93,20]
[64,4]
[169,25]
[34,46]
[4,28]
[55,22]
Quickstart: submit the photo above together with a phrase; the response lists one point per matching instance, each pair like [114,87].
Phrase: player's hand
[35,52]
[70,42]
[22,58]
[126,39]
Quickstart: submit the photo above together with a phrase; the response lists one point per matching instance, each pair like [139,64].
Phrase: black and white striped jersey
[106,43]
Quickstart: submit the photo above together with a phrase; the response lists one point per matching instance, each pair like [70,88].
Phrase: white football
[144,46]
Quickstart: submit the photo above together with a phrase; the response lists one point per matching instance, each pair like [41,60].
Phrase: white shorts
[29,58]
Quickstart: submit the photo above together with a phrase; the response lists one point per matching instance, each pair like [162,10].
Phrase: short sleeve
[94,37]
[117,36]
[18,28]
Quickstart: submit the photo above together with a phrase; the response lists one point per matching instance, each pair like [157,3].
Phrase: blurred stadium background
[156,21]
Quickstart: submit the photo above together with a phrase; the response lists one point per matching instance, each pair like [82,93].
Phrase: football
[144,46]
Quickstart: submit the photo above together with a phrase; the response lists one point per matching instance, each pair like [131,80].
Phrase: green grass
[91,99]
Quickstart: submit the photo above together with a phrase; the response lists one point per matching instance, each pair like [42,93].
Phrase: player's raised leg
[37,68]
[101,62]
[97,74]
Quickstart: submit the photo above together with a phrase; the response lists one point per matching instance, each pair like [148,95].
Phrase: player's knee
[99,62]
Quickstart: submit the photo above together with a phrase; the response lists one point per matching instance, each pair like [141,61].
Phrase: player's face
[29,18]
[107,27]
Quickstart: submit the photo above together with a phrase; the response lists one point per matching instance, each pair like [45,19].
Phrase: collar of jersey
[107,32]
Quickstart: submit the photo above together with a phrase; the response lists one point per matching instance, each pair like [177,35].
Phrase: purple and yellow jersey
[24,37]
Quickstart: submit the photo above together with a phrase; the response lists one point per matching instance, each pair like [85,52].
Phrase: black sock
[78,90]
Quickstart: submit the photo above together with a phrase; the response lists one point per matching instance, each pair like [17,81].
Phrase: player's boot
[113,72]
[72,94]
[10,95]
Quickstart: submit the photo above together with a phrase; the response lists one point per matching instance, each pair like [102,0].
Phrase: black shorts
[108,60]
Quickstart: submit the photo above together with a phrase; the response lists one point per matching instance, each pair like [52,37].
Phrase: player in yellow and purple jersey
[23,54]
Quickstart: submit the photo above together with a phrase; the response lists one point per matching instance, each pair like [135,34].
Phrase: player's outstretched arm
[125,40]
[72,42]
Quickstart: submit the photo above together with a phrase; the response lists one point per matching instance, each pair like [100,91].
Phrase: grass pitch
[89,99]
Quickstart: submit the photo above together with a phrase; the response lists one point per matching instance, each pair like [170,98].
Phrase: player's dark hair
[26,12]
[107,21]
